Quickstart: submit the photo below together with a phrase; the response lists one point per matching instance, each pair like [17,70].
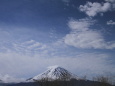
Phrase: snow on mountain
[55,73]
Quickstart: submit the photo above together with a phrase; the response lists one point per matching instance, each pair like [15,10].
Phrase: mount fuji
[54,73]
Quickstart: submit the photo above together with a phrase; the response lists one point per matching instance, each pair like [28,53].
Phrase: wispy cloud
[30,57]
[81,24]
[112,3]
[92,9]
[44,55]
[82,36]
[110,22]
[26,65]
[9,79]
[29,46]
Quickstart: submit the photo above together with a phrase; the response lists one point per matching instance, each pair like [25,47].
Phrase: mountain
[54,73]
[56,76]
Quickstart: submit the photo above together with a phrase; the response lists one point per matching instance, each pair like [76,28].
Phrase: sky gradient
[74,34]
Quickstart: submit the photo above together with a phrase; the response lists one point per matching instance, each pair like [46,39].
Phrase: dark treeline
[61,83]
[65,81]
[72,83]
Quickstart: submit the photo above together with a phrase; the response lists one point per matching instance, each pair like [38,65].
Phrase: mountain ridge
[54,73]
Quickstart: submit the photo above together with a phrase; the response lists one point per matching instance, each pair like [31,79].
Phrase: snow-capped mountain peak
[55,73]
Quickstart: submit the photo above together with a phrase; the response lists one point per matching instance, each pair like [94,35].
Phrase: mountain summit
[55,73]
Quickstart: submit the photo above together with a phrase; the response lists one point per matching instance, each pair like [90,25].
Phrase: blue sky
[77,35]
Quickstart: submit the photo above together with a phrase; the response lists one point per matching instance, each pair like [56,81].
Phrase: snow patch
[55,73]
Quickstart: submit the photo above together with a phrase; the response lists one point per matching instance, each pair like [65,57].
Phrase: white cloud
[87,39]
[29,42]
[111,22]
[112,3]
[9,79]
[92,9]
[81,36]
[80,25]
[36,45]
[29,46]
